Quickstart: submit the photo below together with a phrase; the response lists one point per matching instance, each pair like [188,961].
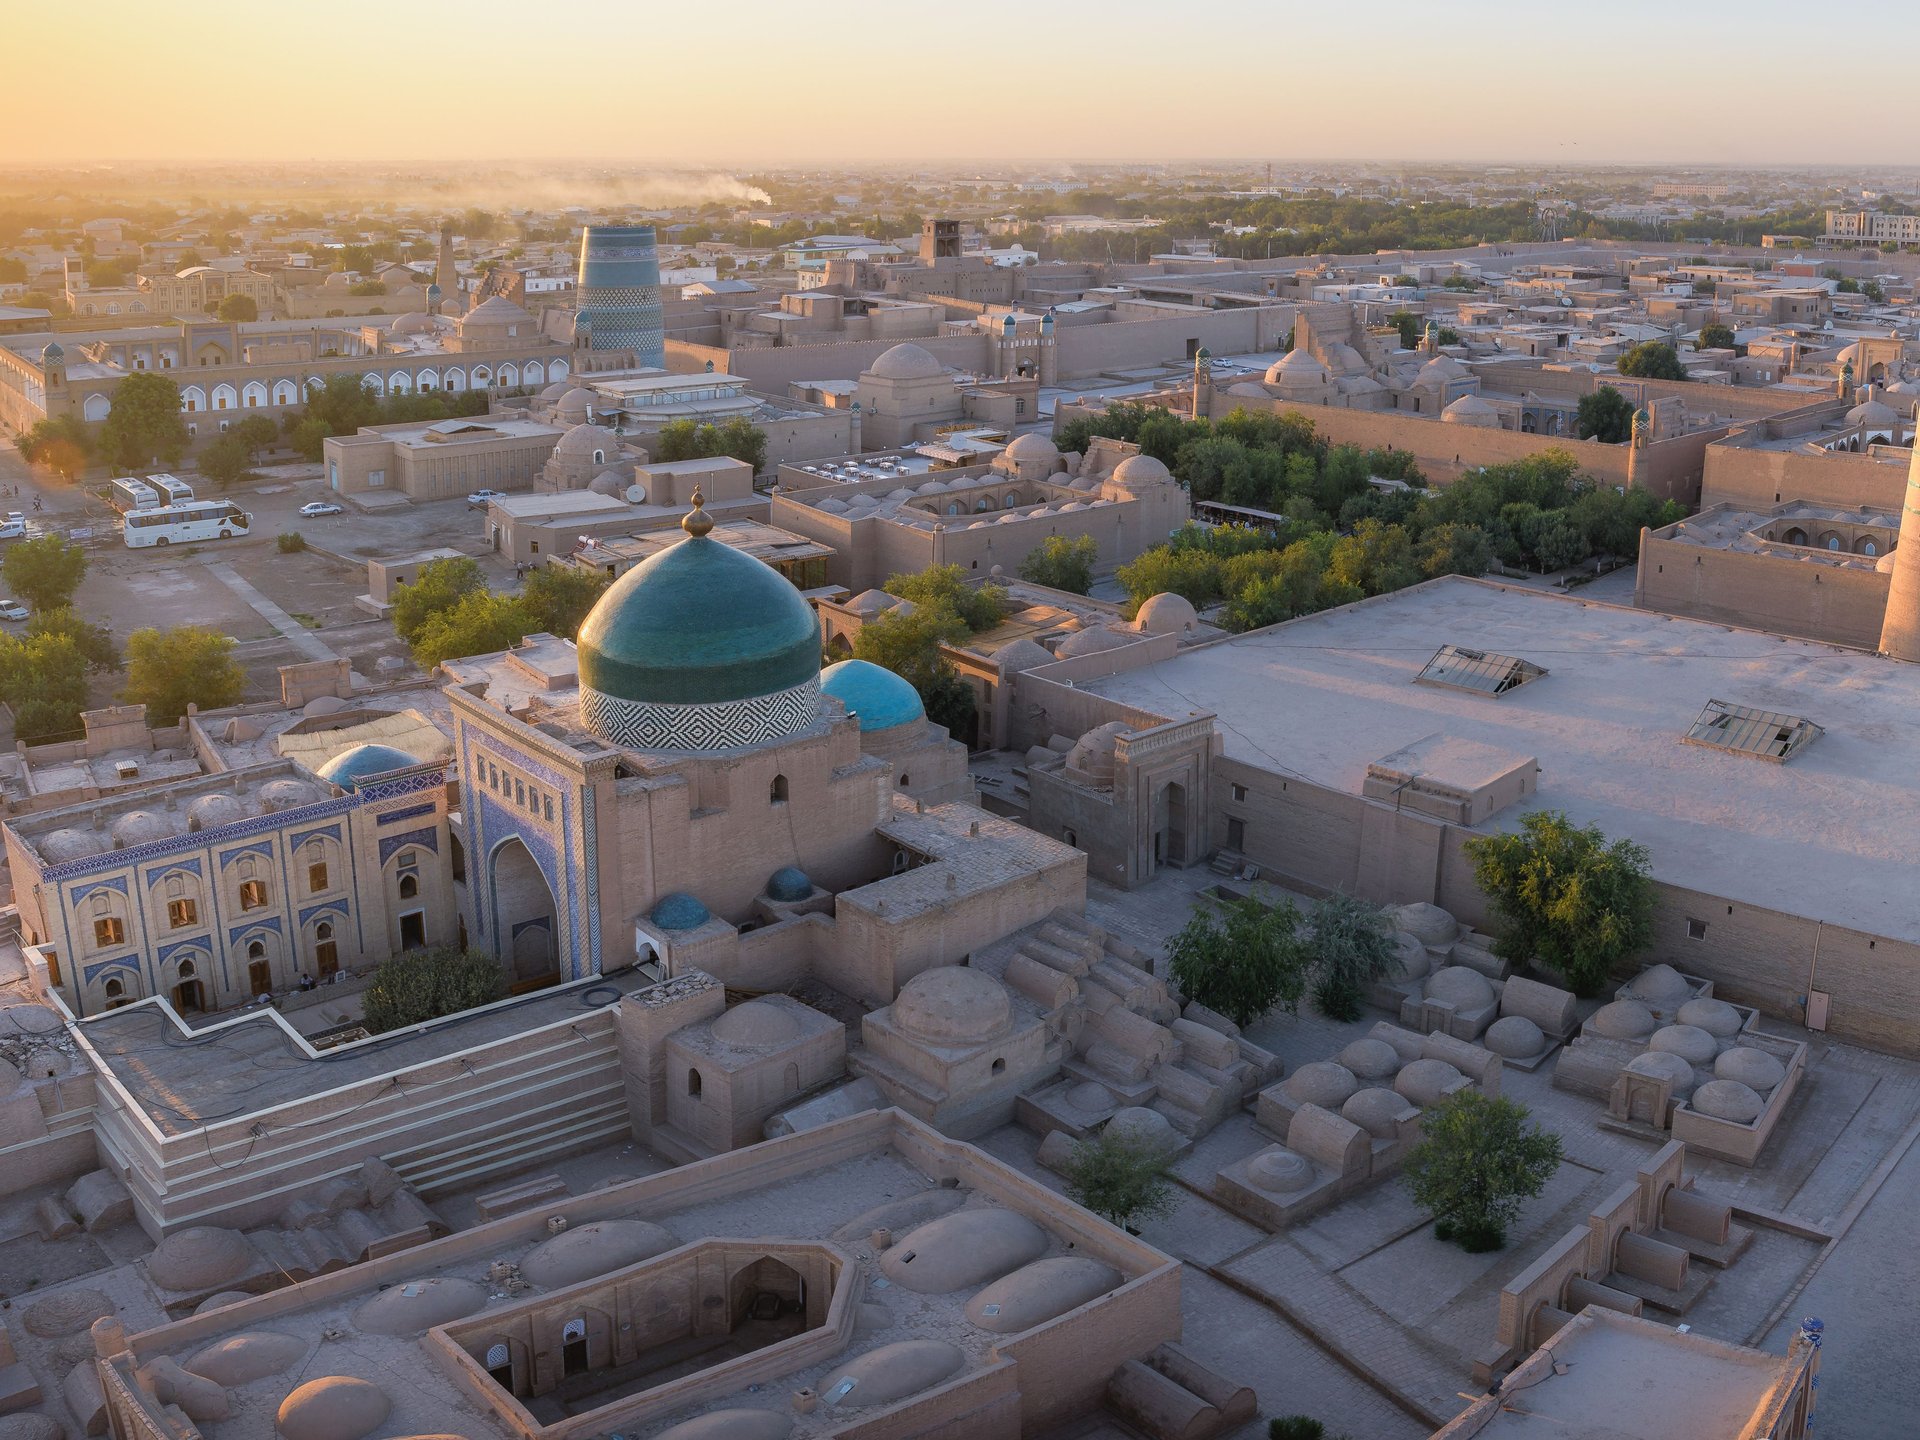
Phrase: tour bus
[175,524]
[173,491]
[126,495]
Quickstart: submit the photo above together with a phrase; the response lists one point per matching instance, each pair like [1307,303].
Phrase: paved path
[296,634]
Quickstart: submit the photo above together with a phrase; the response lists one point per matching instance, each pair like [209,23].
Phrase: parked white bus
[173,491]
[178,524]
[128,494]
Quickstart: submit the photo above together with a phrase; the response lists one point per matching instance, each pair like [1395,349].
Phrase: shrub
[1295,1427]
[291,543]
[421,985]
[1120,1177]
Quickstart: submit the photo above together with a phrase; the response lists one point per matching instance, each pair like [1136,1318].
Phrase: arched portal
[524,917]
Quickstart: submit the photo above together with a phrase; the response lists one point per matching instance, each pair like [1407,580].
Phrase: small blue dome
[53,354]
[789,885]
[879,698]
[680,911]
[350,768]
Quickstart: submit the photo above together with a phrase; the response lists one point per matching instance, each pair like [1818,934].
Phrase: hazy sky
[698,82]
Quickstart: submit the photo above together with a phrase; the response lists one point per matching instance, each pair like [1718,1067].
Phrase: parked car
[315,509]
[480,499]
[12,610]
[14,527]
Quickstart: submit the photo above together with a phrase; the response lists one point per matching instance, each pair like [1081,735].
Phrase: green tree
[227,461]
[1121,1177]
[1872,290]
[1063,564]
[1559,542]
[909,645]
[340,406]
[1409,326]
[688,440]
[945,586]
[168,670]
[1455,549]
[1477,1160]
[558,597]
[44,571]
[1652,360]
[1567,897]
[421,985]
[43,680]
[144,424]
[1352,948]
[1244,964]
[479,623]
[1714,336]
[440,586]
[1376,559]
[1606,415]
[62,443]
[238,309]
[92,641]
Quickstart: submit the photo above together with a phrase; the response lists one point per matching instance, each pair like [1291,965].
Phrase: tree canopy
[62,443]
[144,424]
[981,607]
[238,309]
[1652,360]
[478,623]
[439,586]
[1120,1176]
[1477,1160]
[1062,564]
[1566,896]
[44,571]
[557,598]
[168,670]
[43,680]
[691,440]
[1606,415]
[1714,336]
[1245,963]
[420,985]
[909,645]
[1352,948]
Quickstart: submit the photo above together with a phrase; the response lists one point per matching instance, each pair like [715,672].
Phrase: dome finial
[697,522]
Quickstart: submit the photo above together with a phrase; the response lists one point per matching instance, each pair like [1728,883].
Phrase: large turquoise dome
[700,647]
[876,696]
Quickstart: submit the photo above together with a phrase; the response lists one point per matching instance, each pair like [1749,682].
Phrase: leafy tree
[945,586]
[168,670]
[61,442]
[44,571]
[367,287]
[1872,291]
[1477,1160]
[1606,415]
[1566,896]
[1062,563]
[421,985]
[1352,948]
[558,597]
[909,645]
[1409,326]
[690,440]
[1122,1177]
[440,586]
[1165,571]
[1714,336]
[1559,542]
[144,424]
[43,679]
[238,309]
[479,623]
[1375,559]
[1244,965]
[1455,549]
[92,641]
[227,461]
[1652,360]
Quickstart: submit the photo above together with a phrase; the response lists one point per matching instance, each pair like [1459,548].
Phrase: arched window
[256,950]
[186,970]
[409,886]
[115,992]
[777,792]
[693,1083]
[905,779]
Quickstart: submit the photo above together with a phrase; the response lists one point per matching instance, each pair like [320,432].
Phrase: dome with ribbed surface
[873,694]
[352,767]
[699,647]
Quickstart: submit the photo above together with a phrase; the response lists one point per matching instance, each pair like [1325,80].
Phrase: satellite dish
[636,494]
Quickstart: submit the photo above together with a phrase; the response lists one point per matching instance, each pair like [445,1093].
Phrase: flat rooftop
[1828,835]
[1631,1379]
[183,1078]
[1743,531]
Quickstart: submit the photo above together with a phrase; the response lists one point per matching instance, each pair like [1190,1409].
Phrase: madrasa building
[686,787]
